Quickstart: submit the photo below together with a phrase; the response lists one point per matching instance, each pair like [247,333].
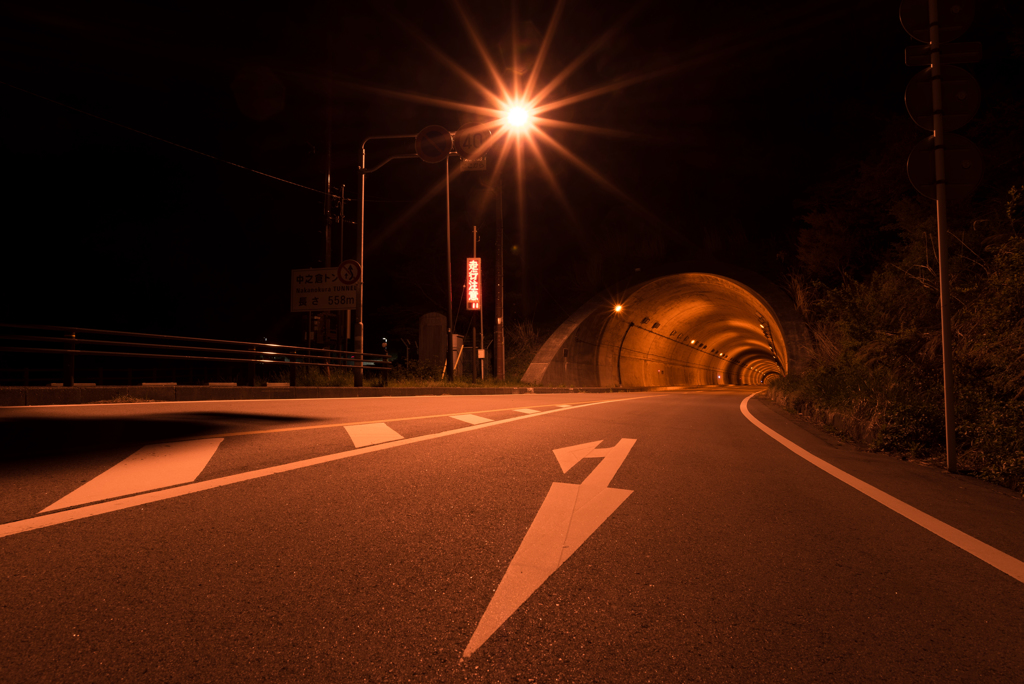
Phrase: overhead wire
[164,140]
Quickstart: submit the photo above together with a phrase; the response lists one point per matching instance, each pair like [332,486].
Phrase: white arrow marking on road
[569,515]
[152,467]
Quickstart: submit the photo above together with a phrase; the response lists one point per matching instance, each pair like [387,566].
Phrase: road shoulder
[992,514]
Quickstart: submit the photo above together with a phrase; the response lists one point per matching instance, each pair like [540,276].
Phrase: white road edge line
[977,548]
[70,515]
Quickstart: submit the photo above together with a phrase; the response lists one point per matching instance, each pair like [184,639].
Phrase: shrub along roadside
[522,343]
[876,360]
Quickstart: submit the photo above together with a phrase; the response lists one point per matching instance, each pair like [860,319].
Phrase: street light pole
[499,294]
[327,235]
[448,235]
[357,373]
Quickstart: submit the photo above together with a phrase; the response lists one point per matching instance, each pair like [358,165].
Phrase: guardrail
[73,343]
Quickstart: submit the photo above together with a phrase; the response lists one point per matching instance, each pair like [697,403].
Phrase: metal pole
[479,360]
[357,373]
[69,362]
[622,342]
[448,229]
[499,296]
[940,209]
[473,364]
[342,334]
[327,228]
[476,356]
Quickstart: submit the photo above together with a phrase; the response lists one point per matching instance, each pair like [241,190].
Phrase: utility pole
[448,234]
[327,231]
[339,218]
[945,167]
[940,211]
[499,293]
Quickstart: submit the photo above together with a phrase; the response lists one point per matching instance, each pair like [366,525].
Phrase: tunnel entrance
[681,329]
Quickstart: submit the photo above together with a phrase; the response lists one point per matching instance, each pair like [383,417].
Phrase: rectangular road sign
[320,289]
[474,286]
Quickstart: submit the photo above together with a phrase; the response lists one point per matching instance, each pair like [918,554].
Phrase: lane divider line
[526,410]
[154,466]
[977,548]
[363,422]
[72,514]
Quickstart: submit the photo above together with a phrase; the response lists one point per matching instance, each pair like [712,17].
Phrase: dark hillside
[867,281]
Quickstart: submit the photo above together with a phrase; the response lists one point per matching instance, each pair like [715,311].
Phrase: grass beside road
[523,341]
[875,365]
[400,376]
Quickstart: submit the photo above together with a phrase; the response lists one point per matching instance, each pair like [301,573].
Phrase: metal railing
[73,343]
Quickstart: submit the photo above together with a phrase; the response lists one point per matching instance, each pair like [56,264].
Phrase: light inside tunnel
[742,339]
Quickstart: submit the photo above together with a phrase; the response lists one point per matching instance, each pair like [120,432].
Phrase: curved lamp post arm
[358,372]
[391,158]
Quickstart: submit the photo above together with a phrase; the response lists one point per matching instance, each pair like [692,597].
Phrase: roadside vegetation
[876,359]
[865,276]
[522,341]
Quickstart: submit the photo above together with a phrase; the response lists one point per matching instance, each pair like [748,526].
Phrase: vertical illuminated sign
[474,288]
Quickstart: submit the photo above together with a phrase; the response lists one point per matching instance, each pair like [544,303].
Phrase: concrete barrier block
[12,396]
[42,396]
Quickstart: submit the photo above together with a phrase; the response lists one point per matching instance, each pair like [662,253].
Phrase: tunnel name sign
[320,289]
[474,288]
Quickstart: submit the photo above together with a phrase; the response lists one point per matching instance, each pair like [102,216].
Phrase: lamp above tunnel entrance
[682,329]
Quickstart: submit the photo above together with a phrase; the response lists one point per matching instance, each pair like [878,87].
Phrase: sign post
[475,299]
[433,145]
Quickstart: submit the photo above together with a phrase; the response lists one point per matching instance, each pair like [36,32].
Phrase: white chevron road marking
[471,419]
[371,433]
[61,517]
[152,467]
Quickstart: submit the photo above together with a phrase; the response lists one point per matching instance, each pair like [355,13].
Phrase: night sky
[722,118]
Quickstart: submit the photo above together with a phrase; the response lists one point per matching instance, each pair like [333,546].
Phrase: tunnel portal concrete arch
[681,329]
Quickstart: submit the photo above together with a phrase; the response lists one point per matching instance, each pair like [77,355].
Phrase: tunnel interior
[682,329]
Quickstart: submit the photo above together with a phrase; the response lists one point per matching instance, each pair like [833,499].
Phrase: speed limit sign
[470,140]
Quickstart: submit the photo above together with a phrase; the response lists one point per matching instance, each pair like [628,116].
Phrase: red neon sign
[474,288]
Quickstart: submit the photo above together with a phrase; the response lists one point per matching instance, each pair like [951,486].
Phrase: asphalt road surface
[663,537]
